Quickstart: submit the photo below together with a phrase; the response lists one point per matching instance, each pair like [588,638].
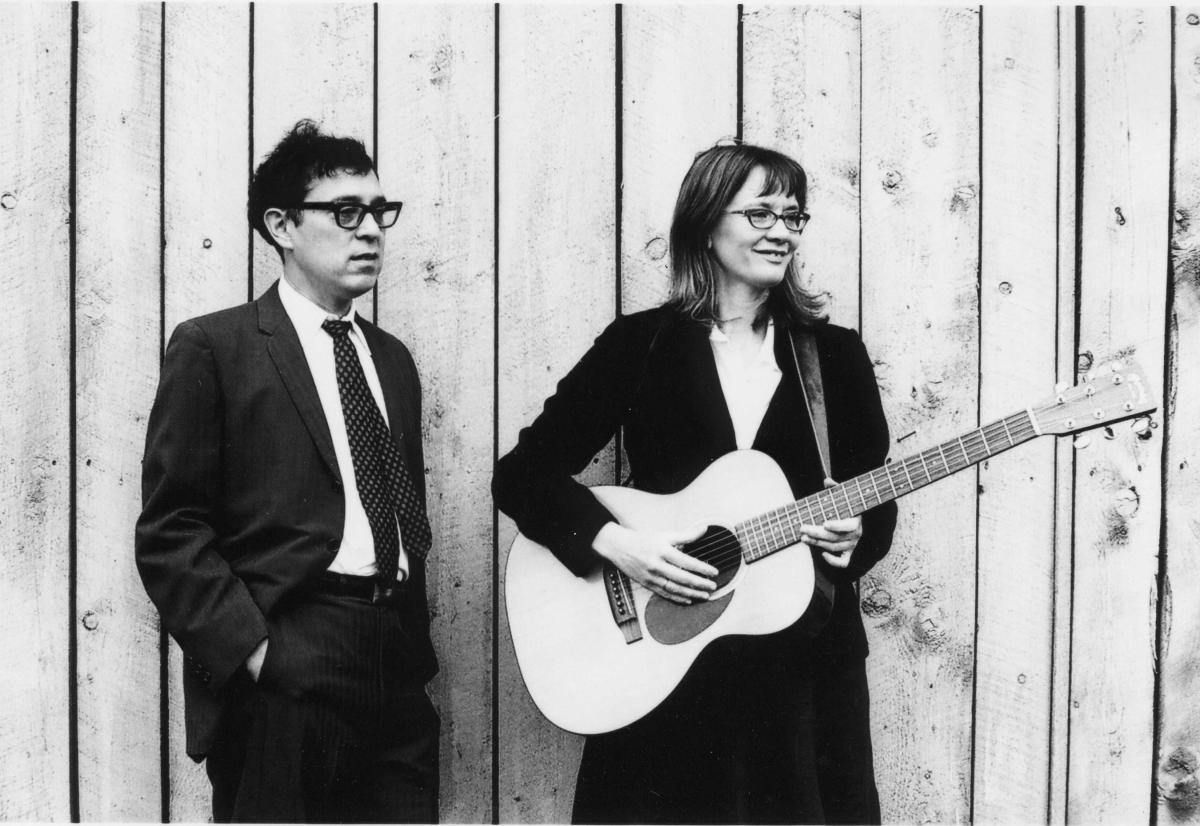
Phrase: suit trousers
[337,728]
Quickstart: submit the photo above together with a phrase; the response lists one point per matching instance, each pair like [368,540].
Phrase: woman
[768,728]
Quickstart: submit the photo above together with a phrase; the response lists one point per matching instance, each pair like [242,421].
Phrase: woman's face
[757,258]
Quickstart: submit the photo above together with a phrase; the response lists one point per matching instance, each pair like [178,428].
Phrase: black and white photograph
[581,413]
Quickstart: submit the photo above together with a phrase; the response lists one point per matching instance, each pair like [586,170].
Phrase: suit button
[333,545]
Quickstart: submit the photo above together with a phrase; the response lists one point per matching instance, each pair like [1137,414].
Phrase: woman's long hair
[707,189]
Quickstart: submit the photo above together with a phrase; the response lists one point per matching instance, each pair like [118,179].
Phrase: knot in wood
[1177,781]
[876,603]
[656,248]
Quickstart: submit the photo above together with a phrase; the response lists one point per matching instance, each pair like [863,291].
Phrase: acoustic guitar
[598,652]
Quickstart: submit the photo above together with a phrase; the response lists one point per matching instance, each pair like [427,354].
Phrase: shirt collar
[307,314]
[766,353]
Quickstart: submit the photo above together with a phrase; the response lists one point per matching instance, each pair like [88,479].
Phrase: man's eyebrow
[353,199]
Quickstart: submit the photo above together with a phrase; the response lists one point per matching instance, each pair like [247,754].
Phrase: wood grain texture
[117,350]
[801,84]
[1178,758]
[556,292]
[311,60]
[35,371]
[1064,526]
[920,321]
[1018,342]
[678,97]
[436,90]
[1126,98]
[207,252]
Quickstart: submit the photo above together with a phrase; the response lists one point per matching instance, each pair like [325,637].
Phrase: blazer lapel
[288,356]
[694,373]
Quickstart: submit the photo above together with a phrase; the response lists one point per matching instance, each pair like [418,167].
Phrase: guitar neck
[780,528]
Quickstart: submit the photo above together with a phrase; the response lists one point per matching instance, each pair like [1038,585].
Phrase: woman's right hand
[653,559]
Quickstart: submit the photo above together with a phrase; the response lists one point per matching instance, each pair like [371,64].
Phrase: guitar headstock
[1108,393]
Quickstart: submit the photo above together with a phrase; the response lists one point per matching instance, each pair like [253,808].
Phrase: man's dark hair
[304,155]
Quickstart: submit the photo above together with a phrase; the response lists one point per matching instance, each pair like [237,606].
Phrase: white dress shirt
[356,554]
[748,386]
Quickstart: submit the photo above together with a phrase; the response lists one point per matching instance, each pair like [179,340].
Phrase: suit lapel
[288,356]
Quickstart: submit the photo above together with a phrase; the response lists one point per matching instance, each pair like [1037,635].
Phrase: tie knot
[335,328]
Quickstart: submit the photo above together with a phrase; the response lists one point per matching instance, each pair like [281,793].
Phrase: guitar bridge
[620,602]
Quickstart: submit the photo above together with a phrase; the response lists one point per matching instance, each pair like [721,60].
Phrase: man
[283,531]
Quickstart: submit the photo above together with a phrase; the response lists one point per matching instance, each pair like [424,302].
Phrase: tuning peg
[1141,425]
[1082,442]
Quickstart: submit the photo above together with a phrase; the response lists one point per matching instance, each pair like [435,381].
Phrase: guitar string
[724,549]
[728,547]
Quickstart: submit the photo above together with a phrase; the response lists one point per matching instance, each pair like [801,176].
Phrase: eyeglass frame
[336,207]
[775,218]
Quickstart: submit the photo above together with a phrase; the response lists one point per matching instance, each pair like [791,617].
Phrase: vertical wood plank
[1126,95]
[206,256]
[678,97]
[801,90]
[35,370]
[920,320]
[1178,758]
[1018,341]
[1059,740]
[436,106]
[557,290]
[117,348]
[311,60]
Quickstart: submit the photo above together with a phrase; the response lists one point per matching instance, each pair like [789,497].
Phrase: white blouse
[748,386]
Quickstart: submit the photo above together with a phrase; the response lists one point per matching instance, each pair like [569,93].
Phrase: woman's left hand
[836,539]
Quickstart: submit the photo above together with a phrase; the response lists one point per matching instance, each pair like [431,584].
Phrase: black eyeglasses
[762,218]
[350,215]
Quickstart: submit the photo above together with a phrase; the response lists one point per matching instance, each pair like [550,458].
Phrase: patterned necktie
[384,484]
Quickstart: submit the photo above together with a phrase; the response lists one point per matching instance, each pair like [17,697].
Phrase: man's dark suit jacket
[242,499]
[652,374]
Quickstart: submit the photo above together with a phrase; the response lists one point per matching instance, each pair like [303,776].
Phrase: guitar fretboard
[780,528]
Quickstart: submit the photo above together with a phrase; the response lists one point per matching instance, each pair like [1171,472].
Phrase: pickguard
[669,622]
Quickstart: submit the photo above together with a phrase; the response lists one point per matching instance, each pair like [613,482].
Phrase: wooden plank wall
[1001,196]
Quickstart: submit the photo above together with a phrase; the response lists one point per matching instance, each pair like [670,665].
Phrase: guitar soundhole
[720,549]
[671,623]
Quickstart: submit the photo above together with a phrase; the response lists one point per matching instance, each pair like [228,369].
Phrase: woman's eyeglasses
[762,218]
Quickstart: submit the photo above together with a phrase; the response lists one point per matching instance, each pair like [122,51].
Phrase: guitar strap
[808,368]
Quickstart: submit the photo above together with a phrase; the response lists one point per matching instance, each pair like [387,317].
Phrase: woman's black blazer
[652,376]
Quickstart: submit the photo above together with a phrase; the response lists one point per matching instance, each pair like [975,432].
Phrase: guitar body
[580,669]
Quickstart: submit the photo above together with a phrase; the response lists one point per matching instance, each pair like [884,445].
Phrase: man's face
[337,265]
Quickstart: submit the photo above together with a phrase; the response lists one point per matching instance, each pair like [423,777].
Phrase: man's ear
[276,221]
